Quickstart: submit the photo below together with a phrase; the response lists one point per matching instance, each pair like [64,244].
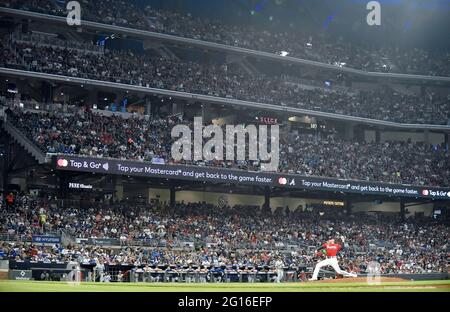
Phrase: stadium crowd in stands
[226,81]
[240,236]
[299,44]
[203,237]
[328,155]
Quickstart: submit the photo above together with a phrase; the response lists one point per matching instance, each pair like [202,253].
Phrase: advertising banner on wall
[241,177]
[20,275]
[38,239]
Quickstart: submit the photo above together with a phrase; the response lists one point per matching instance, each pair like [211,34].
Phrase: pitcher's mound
[362,280]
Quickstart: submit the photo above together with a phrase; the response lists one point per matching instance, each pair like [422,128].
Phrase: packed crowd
[325,155]
[51,40]
[298,44]
[226,81]
[395,162]
[239,236]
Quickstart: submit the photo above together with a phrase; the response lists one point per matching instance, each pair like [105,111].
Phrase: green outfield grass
[31,286]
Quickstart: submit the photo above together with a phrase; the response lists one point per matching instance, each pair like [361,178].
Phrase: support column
[422,91]
[172,196]
[349,132]
[93,98]
[175,108]
[377,136]
[118,185]
[25,26]
[288,125]
[426,137]
[148,106]
[120,102]
[402,210]
[47,92]
[63,185]
[266,205]
[348,207]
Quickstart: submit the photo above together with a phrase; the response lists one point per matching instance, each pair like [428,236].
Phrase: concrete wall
[22,182]
[366,86]
[370,135]
[232,199]
[371,206]
[276,202]
[427,209]
[4,269]
[119,191]
[213,198]
[162,194]
[433,138]
[292,202]
[131,191]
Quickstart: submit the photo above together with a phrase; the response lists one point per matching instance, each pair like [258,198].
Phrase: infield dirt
[362,280]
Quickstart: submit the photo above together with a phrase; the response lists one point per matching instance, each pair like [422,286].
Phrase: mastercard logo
[282,181]
[425,192]
[62,163]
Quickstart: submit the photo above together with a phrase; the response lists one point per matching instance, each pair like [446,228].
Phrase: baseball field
[349,285]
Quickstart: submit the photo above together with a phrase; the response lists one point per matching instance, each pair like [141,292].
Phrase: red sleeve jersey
[332,249]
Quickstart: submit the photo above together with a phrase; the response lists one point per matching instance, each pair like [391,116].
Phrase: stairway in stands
[21,139]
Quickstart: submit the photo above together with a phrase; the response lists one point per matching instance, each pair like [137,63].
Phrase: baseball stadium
[224,146]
